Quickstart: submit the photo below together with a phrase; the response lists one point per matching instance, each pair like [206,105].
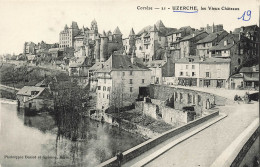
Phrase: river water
[23,141]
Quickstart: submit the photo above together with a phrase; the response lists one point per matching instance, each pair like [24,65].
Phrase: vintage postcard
[172,83]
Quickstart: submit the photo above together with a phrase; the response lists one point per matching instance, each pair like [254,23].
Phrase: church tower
[117,35]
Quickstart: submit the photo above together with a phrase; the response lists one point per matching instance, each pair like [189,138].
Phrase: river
[26,141]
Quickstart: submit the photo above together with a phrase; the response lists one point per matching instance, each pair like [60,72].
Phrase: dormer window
[225,43]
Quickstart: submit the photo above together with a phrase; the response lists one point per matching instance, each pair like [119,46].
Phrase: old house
[35,98]
[173,40]
[188,43]
[247,78]
[206,43]
[78,69]
[120,78]
[203,72]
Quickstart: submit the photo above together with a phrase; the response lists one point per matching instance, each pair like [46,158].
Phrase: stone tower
[103,47]
[97,50]
[154,42]
[131,41]
[117,35]
[94,26]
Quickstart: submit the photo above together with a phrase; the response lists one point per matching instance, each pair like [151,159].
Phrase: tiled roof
[197,59]
[250,28]
[26,90]
[155,63]
[237,76]
[231,39]
[117,31]
[192,35]
[96,66]
[210,37]
[249,69]
[121,62]
[247,78]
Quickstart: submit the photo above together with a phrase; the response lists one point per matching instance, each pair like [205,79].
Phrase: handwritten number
[248,13]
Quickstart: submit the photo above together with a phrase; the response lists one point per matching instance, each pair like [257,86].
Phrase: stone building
[129,43]
[247,78]
[29,48]
[151,42]
[106,44]
[206,43]
[35,98]
[188,43]
[241,50]
[67,35]
[203,72]
[213,28]
[173,40]
[119,80]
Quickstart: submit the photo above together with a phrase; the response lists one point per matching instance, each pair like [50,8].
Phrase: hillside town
[146,82]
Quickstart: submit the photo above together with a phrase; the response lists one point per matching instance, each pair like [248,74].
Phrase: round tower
[117,35]
[97,50]
[103,47]
[131,41]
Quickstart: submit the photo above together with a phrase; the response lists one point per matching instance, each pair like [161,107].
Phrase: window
[142,80]
[123,73]
[131,81]
[199,99]
[207,74]
[187,74]
[99,87]
[107,96]
[187,66]
[193,66]
[131,89]
[104,88]
[103,95]
[131,72]
[239,61]
[193,74]
[146,46]
[181,73]
[108,89]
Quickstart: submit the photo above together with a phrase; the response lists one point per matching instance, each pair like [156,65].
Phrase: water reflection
[38,135]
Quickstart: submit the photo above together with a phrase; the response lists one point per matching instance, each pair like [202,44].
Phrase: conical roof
[154,29]
[132,32]
[159,24]
[117,31]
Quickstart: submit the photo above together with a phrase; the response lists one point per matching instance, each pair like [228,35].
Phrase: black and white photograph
[129,83]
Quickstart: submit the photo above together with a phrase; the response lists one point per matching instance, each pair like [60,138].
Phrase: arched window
[104,88]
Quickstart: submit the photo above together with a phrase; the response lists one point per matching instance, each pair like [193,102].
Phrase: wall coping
[231,154]
[164,136]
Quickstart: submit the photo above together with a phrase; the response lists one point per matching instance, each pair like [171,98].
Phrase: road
[203,148]
[227,93]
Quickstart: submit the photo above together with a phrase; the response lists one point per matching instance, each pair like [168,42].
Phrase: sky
[31,20]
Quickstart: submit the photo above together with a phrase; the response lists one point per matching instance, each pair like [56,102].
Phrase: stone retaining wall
[147,145]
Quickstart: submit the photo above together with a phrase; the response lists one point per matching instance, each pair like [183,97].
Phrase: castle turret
[97,50]
[103,47]
[117,35]
[94,26]
[131,41]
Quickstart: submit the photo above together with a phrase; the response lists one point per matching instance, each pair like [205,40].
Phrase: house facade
[35,98]
[206,43]
[188,43]
[202,72]
[119,80]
